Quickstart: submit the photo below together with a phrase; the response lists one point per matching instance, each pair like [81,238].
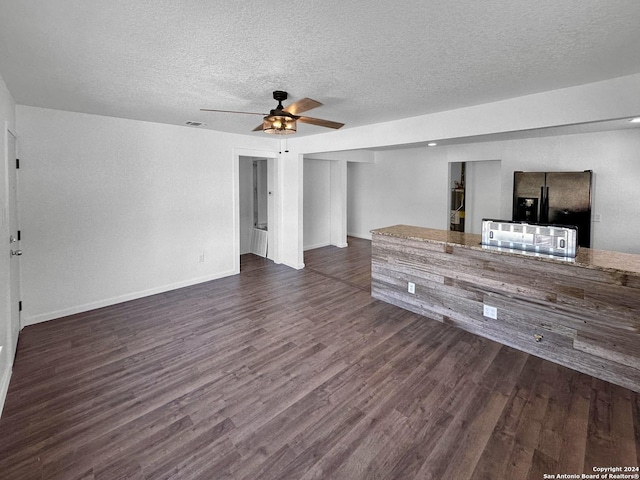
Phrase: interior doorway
[457,200]
[474,194]
[254,205]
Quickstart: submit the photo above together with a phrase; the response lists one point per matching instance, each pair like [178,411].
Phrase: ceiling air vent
[195,124]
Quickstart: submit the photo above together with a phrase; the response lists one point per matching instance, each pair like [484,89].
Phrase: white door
[14,245]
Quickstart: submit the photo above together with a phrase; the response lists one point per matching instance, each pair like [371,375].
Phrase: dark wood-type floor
[284,374]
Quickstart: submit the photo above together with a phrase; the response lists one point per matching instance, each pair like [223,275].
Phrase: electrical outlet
[597,217]
[201,258]
[491,312]
[411,287]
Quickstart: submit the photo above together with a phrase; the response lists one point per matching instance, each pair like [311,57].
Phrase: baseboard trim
[45,317]
[4,387]
[298,266]
[318,245]
[364,236]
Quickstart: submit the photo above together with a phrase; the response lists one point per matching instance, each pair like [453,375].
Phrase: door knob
[16,253]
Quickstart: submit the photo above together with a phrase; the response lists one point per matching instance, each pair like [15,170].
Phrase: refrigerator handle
[544,204]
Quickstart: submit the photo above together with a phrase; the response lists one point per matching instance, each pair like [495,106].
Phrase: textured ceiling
[163,60]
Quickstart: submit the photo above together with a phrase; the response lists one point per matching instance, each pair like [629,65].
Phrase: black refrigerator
[559,198]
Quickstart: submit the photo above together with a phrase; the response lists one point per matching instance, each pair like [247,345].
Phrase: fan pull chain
[286,146]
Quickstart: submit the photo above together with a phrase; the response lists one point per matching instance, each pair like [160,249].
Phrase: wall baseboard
[299,266]
[365,236]
[44,317]
[4,387]
[319,245]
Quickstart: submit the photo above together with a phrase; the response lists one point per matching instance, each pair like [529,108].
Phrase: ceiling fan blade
[320,122]
[258,128]
[232,111]
[302,105]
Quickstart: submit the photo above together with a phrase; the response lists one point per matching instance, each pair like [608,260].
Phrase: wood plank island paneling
[583,313]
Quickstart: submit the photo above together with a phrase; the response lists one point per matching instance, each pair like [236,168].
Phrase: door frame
[274,208]
[15,324]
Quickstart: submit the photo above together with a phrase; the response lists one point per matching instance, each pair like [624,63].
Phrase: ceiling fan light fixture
[279,125]
[284,120]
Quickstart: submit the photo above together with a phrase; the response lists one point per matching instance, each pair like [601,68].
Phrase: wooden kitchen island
[583,313]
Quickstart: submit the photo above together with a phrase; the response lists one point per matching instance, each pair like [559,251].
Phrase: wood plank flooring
[284,374]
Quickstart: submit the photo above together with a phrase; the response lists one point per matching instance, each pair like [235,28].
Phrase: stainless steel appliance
[539,239]
[559,198]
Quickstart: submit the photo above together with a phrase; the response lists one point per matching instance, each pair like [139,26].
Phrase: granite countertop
[626,263]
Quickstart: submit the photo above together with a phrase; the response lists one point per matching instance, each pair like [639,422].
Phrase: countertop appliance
[558,198]
[538,239]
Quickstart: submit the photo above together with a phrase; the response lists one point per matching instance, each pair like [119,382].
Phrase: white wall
[317,203]
[389,192]
[410,190]
[403,186]
[366,156]
[483,193]
[361,198]
[115,209]
[325,203]
[7,120]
